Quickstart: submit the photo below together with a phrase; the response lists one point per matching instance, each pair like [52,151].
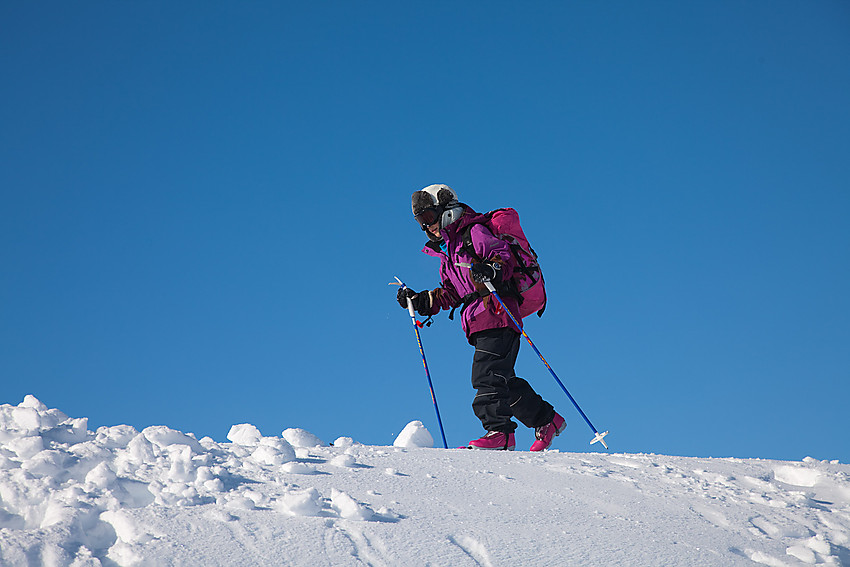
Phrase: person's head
[435,207]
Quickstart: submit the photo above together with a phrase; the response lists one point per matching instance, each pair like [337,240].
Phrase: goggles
[429,216]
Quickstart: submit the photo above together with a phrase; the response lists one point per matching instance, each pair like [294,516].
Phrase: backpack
[527,279]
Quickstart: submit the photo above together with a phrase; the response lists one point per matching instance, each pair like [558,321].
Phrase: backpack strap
[466,239]
[507,287]
[516,249]
[464,303]
[467,246]
[521,267]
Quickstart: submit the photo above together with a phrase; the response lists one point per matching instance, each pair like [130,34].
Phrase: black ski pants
[502,395]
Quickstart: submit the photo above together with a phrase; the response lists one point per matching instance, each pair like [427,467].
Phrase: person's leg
[501,393]
[527,405]
[492,367]
[532,410]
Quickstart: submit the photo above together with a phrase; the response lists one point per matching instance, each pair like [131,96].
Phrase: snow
[300,438]
[70,496]
[414,434]
[244,434]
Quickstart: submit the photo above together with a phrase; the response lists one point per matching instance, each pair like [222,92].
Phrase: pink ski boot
[546,433]
[495,440]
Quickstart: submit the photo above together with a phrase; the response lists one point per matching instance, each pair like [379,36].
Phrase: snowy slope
[116,496]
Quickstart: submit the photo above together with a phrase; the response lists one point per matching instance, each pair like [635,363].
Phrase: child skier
[501,394]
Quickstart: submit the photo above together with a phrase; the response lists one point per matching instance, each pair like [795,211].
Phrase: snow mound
[798,476]
[244,434]
[71,497]
[300,438]
[350,508]
[75,488]
[307,502]
[414,434]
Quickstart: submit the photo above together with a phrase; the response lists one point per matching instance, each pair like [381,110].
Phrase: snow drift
[117,496]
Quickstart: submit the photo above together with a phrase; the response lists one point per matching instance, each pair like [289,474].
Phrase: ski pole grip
[409,301]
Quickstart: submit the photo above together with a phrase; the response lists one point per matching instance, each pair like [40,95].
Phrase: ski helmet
[434,203]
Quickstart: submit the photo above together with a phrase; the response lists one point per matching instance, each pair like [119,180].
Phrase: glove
[403,294]
[484,271]
[421,301]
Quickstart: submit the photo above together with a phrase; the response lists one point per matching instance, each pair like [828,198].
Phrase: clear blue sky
[202,204]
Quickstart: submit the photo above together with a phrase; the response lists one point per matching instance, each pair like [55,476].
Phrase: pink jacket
[484,312]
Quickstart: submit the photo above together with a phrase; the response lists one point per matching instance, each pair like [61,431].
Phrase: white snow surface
[117,496]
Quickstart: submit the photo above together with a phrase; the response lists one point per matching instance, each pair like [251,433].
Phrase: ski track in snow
[369,549]
[70,497]
[474,549]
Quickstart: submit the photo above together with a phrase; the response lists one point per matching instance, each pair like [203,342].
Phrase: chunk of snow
[85,558]
[343,442]
[819,544]
[295,467]
[26,418]
[344,461]
[26,447]
[126,528]
[182,467]
[138,451]
[45,463]
[244,434]
[301,438]
[349,508]
[802,553]
[69,431]
[414,434]
[280,445]
[163,437]
[31,401]
[798,476]
[306,502]
[117,436]
[125,554]
[271,455]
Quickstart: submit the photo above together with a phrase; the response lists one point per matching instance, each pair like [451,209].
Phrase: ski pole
[416,325]
[598,436]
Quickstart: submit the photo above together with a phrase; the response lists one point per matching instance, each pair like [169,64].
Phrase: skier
[501,394]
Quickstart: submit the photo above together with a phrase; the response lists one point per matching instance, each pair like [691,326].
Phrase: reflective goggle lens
[428,217]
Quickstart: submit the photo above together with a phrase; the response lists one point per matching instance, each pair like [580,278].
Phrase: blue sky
[203,203]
